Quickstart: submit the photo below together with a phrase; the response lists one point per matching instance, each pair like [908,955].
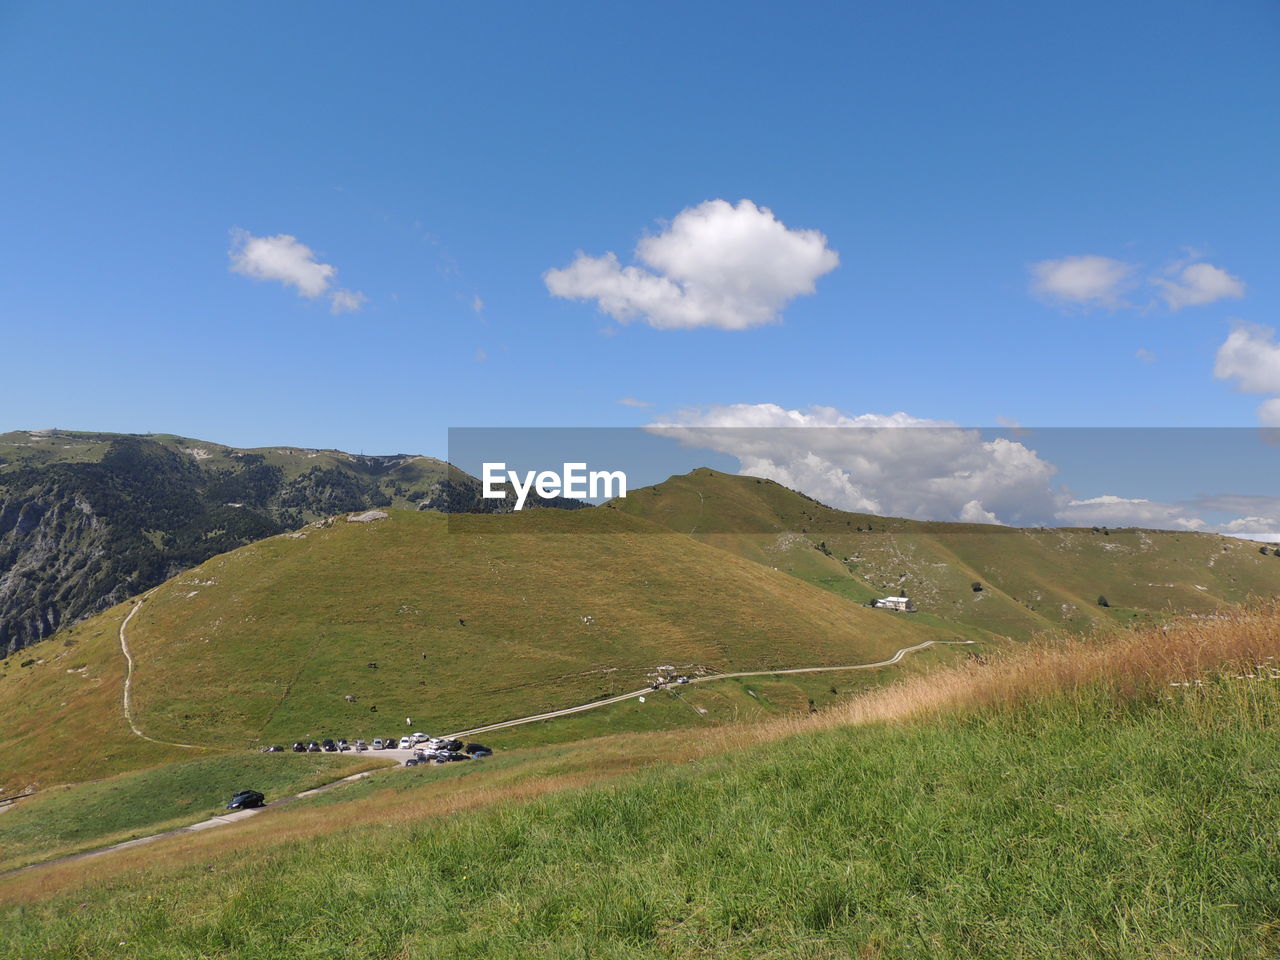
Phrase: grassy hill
[1031,579]
[469,619]
[1092,799]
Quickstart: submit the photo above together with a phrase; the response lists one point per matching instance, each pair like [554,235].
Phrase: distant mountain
[88,519]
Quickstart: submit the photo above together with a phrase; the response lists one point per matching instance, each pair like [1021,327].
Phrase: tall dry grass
[1127,664]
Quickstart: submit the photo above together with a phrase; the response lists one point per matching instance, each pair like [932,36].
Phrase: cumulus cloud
[715,265]
[1251,357]
[895,465]
[1197,284]
[1269,412]
[1084,281]
[284,259]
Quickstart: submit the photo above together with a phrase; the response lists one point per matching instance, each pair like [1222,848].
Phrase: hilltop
[349,628]
[978,579]
[89,519]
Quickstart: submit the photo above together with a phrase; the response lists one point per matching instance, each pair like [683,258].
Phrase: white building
[895,603]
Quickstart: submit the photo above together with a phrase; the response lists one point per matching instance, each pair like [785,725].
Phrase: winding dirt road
[552,714]
[128,679]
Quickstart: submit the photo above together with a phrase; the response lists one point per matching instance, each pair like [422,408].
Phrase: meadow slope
[1107,797]
[348,628]
[1031,579]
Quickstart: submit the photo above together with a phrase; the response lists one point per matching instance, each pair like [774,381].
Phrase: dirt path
[594,704]
[128,680]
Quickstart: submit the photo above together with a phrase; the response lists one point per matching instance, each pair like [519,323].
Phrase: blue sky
[440,156]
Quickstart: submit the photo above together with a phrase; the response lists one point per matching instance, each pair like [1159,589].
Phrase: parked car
[313,747]
[343,745]
[390,742]
[412,762]
[419,737]
[329,745]
[361,745]
[377,743]
[453,746]
[299,747]
[246,799]
[477,750]
[273,749]
[406,743]
[682,679]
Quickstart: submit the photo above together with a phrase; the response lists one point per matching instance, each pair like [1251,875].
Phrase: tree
[977,586]
[1102,601]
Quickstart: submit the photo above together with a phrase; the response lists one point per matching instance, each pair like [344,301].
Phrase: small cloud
[346,301]
[477,305]
[282,258]
[1197,284]
[715,265]
[481,355]
[1145,355]
[633,402]
[1085,281]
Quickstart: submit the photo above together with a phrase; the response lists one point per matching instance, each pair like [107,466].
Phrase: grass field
[102,812]
[1063,802]
[468,620]
[1032,579]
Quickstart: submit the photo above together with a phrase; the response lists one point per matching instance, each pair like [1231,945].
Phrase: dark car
[453,746]
[329,745]
[313,747]
[390,742]
[478,750]
[246,799]
[299,747]
[413,762]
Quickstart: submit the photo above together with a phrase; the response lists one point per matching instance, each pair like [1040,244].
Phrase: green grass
[1077,827]
[71,818]
[1033,580]
[470,620]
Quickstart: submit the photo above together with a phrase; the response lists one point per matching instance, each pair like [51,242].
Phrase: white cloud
[1145,355]
[1269,412]
[1251,357]
[1197,284]
[927,469]
[284,259]
[1085,281]
[716,265]
[1112,511]
[633,402]
[477,305]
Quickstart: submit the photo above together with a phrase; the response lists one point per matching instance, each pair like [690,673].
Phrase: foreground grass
[83,816]
[1098,817]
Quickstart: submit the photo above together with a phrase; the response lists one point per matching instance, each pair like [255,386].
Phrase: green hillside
[1031,579]
[468,619]
[1089,801]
